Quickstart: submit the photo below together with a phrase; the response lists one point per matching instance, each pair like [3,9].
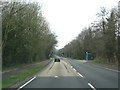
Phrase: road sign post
[86,55]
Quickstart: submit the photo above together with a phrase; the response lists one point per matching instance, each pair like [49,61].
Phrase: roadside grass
[0,84]
[14,66]
[19,65]
[21,76]
[105,63]
[99,62]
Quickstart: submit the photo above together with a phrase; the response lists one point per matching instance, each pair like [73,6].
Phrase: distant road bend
[73,74]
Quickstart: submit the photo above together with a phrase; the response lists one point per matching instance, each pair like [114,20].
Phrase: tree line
[26,35]
[100,39]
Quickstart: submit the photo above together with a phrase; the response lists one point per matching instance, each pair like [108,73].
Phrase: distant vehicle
[57,60]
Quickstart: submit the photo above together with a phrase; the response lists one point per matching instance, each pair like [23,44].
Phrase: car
[57,60]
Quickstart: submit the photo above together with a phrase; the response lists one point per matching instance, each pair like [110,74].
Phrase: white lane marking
[74,69]
[112,70]
[91,86]
[71,66]
[80,75]
[26,83]
[56,76]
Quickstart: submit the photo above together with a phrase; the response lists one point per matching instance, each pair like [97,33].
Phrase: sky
[67,18]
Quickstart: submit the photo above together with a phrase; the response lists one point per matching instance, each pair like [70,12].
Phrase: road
[73,74]
[100,77]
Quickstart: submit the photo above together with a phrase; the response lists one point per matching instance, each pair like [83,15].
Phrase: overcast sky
[68,17]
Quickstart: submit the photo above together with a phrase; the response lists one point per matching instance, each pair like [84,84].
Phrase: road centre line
[56,76]
[74,69]
[80,75]
[26,83]
[77,72]
[91,86]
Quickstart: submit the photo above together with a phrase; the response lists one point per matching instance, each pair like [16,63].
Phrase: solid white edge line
[26,83]
[91,86]
[80,75]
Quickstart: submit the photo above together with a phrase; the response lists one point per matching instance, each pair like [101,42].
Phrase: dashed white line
[91,86]
[78,72]
[71,66]
[56,76]
[80,75]
[26,83]
[74,69]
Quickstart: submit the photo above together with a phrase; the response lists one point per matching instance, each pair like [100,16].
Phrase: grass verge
[21,76]
[105,63]
[19,65]
[99,62]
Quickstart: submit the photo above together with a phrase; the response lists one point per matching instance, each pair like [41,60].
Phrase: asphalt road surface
[73,74]
[100,77]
